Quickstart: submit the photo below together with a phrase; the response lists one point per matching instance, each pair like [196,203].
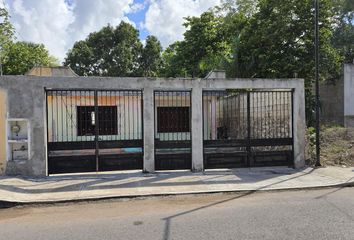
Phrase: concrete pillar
[299,127]
[197,130]
[148,112]
[3,111]
[348,95]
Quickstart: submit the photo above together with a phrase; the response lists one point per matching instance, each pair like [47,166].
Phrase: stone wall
[332,103]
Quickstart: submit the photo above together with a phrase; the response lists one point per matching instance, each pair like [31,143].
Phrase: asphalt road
[319,214]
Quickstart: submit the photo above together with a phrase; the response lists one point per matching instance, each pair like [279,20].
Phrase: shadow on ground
[119,180]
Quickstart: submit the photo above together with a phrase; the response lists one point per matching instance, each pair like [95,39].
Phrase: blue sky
[139,17]
[58,24]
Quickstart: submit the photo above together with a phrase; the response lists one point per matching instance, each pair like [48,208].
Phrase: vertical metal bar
[57,116]
[52,118]
[255,98]
[248,147]
[128,107]
[46,107]
[136,96]
[254,117]
[289,102]
[131,116]
[72,112]
[261,111]
[203,131]
[71,116]
[155,125]
[66,116]
[210,115]
[317,60]
[141,135]
[180,105]
[268,116]
[170,104]
[276,115]
[124,117]
[61,115]
[292,124]
[83,96]
[96,129]
[190,121]
[282,113]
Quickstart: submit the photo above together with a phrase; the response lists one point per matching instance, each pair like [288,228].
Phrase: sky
[58,24]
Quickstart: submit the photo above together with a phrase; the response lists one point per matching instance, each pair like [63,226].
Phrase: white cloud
[164,18]
[58,25]
[42,21]
[91,15]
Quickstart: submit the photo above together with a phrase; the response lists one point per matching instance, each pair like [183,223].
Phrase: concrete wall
[349,95]
[332,102]
[26,99]
[2,131]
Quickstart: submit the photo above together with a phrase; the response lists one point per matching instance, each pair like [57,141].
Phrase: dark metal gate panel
[271,134]
[172,130]
[247,128]
[94,130]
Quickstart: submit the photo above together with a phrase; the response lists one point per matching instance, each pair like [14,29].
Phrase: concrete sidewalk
[136,184]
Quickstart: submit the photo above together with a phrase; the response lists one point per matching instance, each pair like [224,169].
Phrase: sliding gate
[246,128]
[94,130]
[172,130]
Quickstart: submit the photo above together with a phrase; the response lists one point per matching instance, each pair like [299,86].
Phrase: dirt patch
[336,146]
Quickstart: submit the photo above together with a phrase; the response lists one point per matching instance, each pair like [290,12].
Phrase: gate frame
[96,141]
[247,142]
[190,122]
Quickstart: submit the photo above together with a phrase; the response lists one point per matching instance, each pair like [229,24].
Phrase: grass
[336,146]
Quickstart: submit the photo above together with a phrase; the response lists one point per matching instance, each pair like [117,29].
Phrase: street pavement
[311,214]
[135,183]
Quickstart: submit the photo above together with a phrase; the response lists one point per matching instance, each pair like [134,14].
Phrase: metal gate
[172,130]
[246,128]
[94,130]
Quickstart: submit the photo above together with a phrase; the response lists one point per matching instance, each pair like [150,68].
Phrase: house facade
[86,124]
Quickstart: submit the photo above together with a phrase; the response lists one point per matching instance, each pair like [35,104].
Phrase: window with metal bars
[172,119]
[107,120]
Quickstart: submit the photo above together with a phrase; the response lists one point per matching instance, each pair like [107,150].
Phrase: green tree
[108,52]
[22,56]
[150,60]
[343,36]
[173,62]
[245,7]
[278,43]
[6,33]
[204,47]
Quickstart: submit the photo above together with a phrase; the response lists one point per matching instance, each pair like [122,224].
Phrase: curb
[10,204]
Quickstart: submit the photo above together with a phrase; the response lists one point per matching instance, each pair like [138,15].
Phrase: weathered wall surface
[332,102]
[349,95]
[26,99]
[2,131]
